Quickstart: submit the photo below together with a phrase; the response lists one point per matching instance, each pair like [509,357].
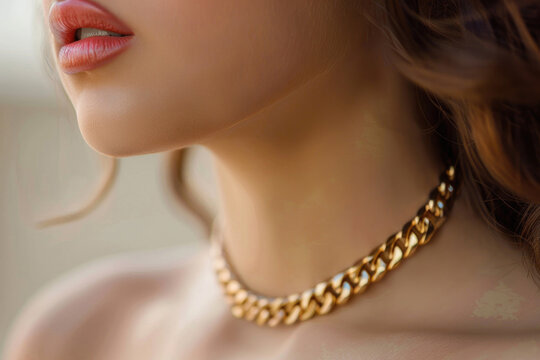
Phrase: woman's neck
[316,180]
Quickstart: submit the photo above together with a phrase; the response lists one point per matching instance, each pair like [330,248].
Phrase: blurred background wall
[46,168]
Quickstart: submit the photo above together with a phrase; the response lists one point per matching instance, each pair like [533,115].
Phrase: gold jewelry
[337,290]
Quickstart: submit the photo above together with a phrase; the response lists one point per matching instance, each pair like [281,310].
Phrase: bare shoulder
[344,342]
[509,346]
[80,309]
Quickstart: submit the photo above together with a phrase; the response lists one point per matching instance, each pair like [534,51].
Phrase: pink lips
[66,16]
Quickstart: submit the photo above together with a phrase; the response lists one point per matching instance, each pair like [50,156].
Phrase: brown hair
[475,68]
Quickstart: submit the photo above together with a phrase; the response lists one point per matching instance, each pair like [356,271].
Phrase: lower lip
[92,52]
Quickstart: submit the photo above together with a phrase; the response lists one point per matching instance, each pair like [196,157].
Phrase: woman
[330,123]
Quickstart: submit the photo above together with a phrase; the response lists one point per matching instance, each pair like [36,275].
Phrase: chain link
[339,289]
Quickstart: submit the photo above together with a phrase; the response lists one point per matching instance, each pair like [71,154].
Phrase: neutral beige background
[46,167]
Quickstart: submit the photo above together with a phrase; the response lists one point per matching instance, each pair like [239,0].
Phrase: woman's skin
[319,159]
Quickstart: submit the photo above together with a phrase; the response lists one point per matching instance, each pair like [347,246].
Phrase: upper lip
[66,16]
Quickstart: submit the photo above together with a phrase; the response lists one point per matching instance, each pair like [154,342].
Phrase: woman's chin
[116,137]
[102,144]
[111,137]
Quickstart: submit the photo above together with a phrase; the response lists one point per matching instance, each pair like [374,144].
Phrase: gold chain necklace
[337,290]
